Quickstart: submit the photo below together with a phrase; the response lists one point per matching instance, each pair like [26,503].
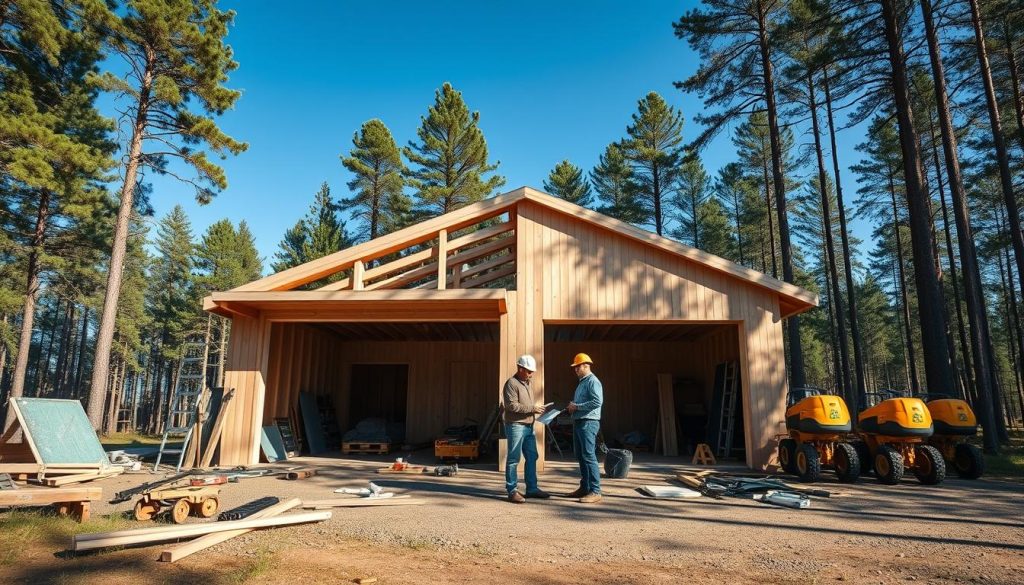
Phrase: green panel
[60,431]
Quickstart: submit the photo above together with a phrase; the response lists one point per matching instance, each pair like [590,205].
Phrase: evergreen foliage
[379,201]
[450,157]
[566,181]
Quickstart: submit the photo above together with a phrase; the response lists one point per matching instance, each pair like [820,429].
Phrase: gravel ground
[960,531]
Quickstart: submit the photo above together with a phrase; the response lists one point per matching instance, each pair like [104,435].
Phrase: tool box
[455,448]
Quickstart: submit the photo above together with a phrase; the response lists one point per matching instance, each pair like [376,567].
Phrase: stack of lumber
[75,501]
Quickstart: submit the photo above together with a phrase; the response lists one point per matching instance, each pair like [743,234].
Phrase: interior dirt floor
[959,532]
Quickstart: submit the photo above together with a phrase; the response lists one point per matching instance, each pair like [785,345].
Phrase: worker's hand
[539,410]
[571,408]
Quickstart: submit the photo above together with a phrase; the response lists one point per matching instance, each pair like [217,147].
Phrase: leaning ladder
[182,410]
[727,423]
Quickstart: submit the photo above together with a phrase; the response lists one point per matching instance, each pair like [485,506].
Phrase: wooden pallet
[365,448]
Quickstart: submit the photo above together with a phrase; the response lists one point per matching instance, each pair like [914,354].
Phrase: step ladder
[727,423]
[183,407]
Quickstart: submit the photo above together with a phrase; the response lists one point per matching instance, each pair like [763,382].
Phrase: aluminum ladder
[182,410]
[727,423]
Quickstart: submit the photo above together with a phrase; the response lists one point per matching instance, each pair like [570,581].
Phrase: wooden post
[442,259]
[357,275]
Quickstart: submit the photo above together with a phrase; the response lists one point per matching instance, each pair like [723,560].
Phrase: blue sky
[551,80]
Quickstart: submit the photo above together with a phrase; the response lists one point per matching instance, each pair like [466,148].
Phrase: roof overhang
[353,306]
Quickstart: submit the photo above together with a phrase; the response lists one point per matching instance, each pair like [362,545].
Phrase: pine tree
[175,56]
[566,181]
[379,200]
[735,39]
[692,191]
[55,151]
[318,234]
[451,156]
[654,149]
[739,194]
[614,185]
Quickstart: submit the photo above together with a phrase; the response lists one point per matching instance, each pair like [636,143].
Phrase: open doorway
[379,391]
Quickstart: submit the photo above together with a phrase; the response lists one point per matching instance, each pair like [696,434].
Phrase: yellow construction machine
[894,435]
[817,425]
[954,423]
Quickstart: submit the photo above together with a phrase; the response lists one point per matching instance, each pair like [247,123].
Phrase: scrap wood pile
[764,488]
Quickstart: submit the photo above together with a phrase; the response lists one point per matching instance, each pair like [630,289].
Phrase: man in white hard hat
[520,414]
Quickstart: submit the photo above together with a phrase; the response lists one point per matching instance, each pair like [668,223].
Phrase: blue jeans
[584,446]
[521,441]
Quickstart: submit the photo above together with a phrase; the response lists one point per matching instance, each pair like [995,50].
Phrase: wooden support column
[442,259]
[357,275]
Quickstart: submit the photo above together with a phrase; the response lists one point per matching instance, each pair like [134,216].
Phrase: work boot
[539,494]
[591,498]
[516,498]
[579,493]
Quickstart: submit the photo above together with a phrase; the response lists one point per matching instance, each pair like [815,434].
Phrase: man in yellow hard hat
[586,421]
[520,414]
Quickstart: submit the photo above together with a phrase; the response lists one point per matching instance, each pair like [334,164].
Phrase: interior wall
[628,372]
[302,359]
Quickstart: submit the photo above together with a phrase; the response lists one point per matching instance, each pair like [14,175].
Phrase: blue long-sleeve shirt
[589,397]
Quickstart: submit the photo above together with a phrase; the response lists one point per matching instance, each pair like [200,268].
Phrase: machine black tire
[929,466]
[787,455]
[867,466]
[808,463]
[888,465]
[847,463]
[969,461]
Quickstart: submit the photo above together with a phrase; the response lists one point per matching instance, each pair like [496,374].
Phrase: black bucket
[617,462]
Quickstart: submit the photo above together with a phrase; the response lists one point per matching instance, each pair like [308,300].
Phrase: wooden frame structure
[530,266]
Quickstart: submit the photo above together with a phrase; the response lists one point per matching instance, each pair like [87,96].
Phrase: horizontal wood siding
[579,271]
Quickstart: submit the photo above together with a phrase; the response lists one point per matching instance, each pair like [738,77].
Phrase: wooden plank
[357,275]
[81,477]
[45,496]
[490,277]
[81,542]
[442,259]
[667,415]
[181,551]
[218,428]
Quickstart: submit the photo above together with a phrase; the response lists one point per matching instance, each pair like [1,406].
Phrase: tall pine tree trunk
[80,368]
[915,379]
[115,271]
[830,251]
[3,361]
[977,313]
[28,313]
[934,339]
[771,221]
[798,376]
[1018,100]
[858,343]
[904,328]
[63,350]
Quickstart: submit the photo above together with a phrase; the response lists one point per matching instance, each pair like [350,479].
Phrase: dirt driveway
[961,531]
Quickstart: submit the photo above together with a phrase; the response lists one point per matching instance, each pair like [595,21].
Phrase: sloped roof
[792,299]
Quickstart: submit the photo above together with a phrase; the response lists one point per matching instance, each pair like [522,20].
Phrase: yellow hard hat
[581,358]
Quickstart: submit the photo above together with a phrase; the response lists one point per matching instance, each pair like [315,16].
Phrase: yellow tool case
[452,448]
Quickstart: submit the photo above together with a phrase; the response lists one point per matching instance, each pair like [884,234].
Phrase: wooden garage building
[424,324]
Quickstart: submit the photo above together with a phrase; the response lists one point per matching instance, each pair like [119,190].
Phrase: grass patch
[1010,461]
[251,569]
[23,529]
[115,441]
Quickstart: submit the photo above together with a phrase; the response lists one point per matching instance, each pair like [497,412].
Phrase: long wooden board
[667,415]
[181,551]
[82,542]
[45,496]
[360,502]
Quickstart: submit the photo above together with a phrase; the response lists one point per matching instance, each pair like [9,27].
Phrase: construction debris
[717,485]
[374,491]
[246,510]
[300,473]
[786,499]
[361,502]
[667,491]
[181,551]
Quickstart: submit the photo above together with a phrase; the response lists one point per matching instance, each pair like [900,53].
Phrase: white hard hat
[527,361]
